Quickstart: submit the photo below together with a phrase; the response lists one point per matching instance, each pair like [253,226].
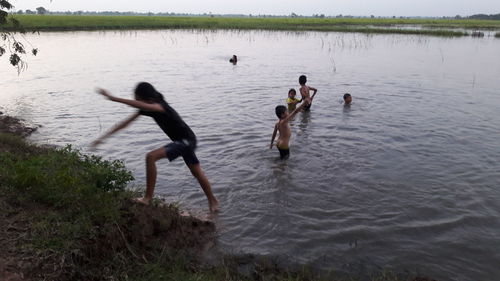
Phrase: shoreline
[441,27]
[70,217]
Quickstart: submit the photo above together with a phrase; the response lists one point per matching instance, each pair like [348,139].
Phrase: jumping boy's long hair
[147,92]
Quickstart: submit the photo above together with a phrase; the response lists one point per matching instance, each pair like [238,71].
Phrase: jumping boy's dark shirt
[171,123]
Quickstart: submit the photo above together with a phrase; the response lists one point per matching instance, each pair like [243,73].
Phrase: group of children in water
[286,114]
[150,102]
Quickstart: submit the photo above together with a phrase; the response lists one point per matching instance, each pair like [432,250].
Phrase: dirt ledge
[15,126]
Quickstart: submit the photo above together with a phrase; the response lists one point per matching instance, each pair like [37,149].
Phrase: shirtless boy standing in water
[283,127]
[304,92]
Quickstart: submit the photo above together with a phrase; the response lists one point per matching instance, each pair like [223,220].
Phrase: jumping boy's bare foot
[213,206]
[143,200]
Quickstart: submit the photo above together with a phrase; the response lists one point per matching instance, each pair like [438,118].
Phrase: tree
[41,10]
[9,27]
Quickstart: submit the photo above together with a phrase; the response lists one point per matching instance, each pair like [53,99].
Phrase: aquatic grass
[364,25]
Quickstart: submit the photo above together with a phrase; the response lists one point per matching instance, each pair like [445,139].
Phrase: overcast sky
[276,7]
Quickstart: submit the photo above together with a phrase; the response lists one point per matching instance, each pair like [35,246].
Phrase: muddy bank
[16,126]
[68,216]
[145,232]
[14,225]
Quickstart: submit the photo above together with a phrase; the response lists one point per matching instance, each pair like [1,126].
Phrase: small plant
[86,189]
[64,177]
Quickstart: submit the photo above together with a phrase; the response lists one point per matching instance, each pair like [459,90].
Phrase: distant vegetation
[437,27]
[485,17]
[42,10]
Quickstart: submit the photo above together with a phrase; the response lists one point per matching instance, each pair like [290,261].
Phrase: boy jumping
[150,103]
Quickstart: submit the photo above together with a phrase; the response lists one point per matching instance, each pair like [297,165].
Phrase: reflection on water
[405,178]
[346,108]
[305,118]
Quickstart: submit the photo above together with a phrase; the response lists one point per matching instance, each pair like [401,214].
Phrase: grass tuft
[82,190]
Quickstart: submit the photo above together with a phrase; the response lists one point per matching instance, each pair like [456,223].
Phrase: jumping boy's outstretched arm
[134,103]
[115,129]
[274,135]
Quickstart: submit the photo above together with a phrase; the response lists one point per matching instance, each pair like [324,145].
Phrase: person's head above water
[302,80]
[281,111]
[347,98]
[291,93]
[146,92]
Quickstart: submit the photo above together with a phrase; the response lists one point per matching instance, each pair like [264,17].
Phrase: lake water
[407,178]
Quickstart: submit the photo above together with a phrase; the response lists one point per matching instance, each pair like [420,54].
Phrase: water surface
[406,178]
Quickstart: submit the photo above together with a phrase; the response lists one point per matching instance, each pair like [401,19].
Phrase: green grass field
[436,27]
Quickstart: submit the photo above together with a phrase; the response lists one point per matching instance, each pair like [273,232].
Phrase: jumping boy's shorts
[184,148]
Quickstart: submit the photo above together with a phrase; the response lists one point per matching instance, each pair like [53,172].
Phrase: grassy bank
[436,27]
[68,216]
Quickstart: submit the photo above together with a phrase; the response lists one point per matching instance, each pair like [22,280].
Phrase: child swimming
[347,99]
